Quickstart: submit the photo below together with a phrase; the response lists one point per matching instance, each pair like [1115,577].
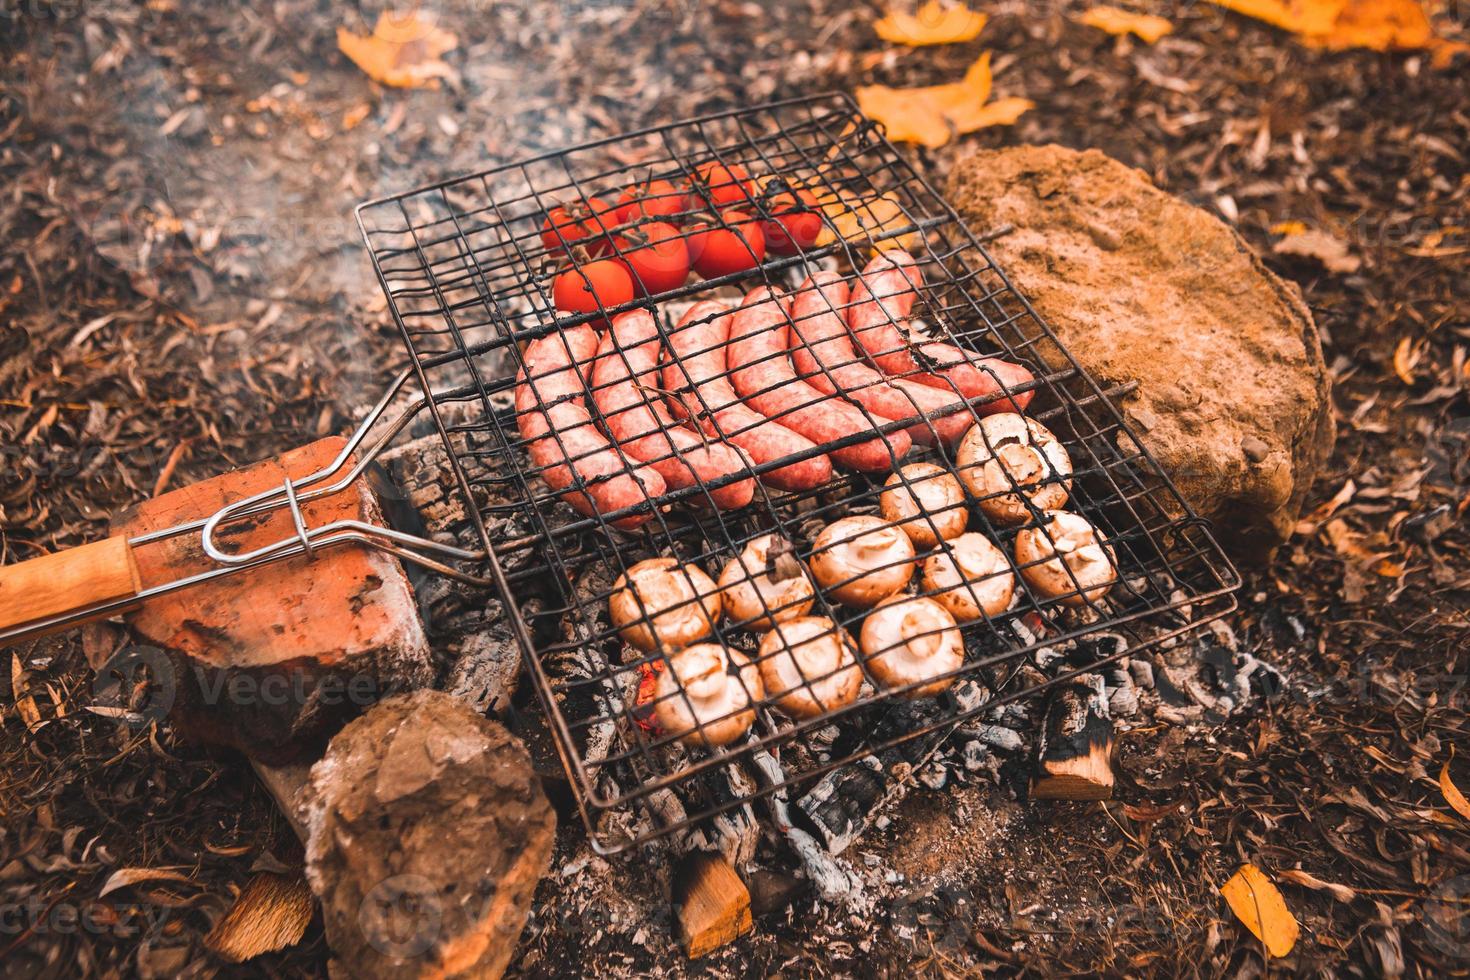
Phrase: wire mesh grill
[469,267]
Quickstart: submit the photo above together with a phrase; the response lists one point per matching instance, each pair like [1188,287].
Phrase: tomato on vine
[656,255]
[734,245]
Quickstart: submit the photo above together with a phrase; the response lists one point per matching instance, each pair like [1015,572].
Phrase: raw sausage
[624,388]
[575,458]
[762,375]
[882,298]
[697,387]
[824,355]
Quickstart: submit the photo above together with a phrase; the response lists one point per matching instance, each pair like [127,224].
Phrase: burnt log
[1074,747]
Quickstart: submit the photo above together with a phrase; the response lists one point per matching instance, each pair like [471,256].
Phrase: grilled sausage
[624,386]
[698,388]
[574,457]
[882,298]
[762,375]
[824,354]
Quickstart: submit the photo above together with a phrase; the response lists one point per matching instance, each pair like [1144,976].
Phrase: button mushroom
[808,666]
[767,584]
[1066,558]
[660,604]
[908,640]
[1006,460]
[701,701]
[926,501]
[970,577]
[862,560]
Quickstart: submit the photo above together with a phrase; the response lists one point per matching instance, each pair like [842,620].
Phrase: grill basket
[468,276]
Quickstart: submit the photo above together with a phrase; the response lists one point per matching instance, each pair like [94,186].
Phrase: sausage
[574,457]
[883,298]
[761,374]
[626,371]
[824,355]
[697,387]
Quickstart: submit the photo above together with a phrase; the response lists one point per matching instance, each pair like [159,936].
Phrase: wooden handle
[67,582]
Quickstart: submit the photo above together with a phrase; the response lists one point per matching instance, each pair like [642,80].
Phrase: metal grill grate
[468,277]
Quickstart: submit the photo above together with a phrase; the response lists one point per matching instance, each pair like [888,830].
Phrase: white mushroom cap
[701,701]
[1066,557]
[862,560]
[909,639]
[808,666]
[926,501]
[660,604]
[1007,459]
[767,584]
[969,576]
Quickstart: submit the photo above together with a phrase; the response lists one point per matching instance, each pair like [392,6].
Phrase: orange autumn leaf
[403,51]
[932,23]
[1261,909]
[866,220]
[935,114]
[1452,794]
[1118,22]
[1380,25]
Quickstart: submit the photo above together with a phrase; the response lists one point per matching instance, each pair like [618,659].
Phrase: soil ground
[182,291]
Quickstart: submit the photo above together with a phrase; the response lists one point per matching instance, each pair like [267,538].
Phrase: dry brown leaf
[1288,228]
[1298,877]
[25,704]
[1381,25]
[127,877]
[272,912]
[932,23]
[403,51]
[1452,794]
[1261,909]
[1331,252]
[934,114]
[1118,22]
[1405,358]
[859,220]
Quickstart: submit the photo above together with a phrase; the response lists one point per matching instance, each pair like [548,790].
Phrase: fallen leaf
[25,704]
[403,51]
[866,220]
[1336,25]
[932,23]
[1261,909]
[1405,357]
[1288,228]
[127,877]
[934,114]
[1298,877]
[1451,792]
[272,912]
[1118,22]
[1331,252]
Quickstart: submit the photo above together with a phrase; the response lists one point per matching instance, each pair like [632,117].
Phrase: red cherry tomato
[796,222]
[650,199]
[724,184]
[734,245]
[578,223]
[595,285]
[656,255]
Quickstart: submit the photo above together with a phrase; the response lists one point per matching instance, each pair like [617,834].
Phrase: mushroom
[701,701]
[970,577]
[1066,558]
[862,560]
[908,640]
[1007,460]
[767,584]
[926,501]
[660,604]
[808,666]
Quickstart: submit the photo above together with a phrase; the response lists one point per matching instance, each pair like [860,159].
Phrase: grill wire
[468,280]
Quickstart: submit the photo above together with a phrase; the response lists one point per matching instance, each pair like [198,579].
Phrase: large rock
[1232,394]
[426,833]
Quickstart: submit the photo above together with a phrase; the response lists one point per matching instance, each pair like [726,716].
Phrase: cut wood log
[1075,745]
[711,902]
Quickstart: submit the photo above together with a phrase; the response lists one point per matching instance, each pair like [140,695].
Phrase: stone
[426,833]
[1232,396]
[271,660]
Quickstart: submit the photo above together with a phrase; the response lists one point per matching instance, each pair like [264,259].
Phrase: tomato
[578,223]
[650,199]
[595,285]
[795,222]
[656,255]
[724,184]
[734,245]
